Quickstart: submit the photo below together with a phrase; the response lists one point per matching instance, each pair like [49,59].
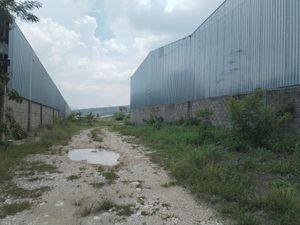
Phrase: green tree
[22,9]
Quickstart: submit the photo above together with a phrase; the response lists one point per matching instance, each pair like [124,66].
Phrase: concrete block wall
[174,112]
[216,105]
[19,111]
[35,117]
[47,115]
[55,114]
[30,115]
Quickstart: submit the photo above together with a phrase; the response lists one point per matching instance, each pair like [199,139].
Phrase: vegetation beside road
[250,172]
[12,161]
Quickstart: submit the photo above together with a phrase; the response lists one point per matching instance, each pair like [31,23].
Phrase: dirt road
[136,191]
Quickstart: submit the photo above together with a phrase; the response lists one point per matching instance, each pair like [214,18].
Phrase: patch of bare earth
[134,192]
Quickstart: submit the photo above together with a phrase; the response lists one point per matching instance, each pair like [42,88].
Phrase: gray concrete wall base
[30,115]
[175,112]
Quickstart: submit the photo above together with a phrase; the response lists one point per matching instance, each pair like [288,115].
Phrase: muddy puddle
[94,156]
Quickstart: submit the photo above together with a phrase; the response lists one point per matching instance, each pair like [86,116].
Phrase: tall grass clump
[282,202]
[206,129]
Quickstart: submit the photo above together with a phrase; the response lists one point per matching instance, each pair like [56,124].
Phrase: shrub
[158,123]
[297,153]
[150,121]
[63,122]
[90,117]
[205,126]
[289,108]
[204,117]
[233,143]
[192,121]
[283,143]
[49,126]
[119,116]
[14,129]
[255,122]
[72,117]
[180,121]
[155,121]
[127,121]
[17,132]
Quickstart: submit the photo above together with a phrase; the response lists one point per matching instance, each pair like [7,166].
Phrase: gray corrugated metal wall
[105,111]
[243,45]
[28,75]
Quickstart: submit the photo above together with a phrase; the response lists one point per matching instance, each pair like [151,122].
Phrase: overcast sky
[92,47]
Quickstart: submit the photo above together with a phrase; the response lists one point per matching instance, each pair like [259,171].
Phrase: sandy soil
[140,185]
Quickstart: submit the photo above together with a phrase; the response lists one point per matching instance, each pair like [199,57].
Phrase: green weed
[37,167]
[110,176]
[12,190]
[97,185]
[73,177]
[14,208]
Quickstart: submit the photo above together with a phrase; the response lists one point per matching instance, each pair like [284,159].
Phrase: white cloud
[113,46]
[143,45]
[92,72]
[172,4]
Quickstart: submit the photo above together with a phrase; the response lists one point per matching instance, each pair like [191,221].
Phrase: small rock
[97,218]
[8,201]
[134,184]
[59,204]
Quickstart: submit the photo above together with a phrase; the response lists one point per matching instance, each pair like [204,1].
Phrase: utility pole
[4,63]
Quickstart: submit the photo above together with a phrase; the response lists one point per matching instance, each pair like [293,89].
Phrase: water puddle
[94,156]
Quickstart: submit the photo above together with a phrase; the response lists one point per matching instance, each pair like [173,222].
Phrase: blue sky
[92,47]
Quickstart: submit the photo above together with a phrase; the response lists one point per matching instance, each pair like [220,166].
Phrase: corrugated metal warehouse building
[243,45]
[103,111]
[42,101]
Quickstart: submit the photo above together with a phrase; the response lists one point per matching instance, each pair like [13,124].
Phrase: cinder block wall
[55,114]
[35,117]
[48,115]
[175,112]
[19,111]
[30,115]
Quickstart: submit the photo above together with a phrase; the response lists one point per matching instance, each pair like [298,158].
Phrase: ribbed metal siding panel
[25,64]
[243,45]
